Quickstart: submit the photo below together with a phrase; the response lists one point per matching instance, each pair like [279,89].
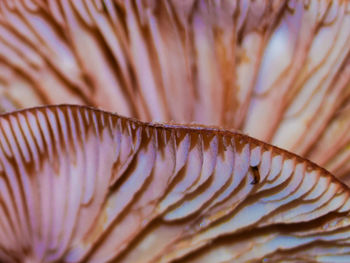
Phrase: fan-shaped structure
[277,70]
[83,185]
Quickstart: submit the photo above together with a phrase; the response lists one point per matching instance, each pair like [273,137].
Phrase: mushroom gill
[277,70]
[83,185]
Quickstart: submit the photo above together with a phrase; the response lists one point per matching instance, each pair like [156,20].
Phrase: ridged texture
[83,185]
[275,69]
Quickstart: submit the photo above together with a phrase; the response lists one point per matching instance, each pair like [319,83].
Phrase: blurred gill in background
[276,70]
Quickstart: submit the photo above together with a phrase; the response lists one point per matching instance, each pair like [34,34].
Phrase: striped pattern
[83,185]
[278,70]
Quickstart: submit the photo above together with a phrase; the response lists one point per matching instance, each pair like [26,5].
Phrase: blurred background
[275,70]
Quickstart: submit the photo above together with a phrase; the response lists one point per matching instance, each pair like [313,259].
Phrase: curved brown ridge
[275,69]
[83,185]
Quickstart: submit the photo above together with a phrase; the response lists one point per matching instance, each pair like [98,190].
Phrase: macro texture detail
[83,185]
[276,70]
[126,131]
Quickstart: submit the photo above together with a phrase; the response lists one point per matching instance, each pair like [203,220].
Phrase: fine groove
[83,185]
[277,70]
